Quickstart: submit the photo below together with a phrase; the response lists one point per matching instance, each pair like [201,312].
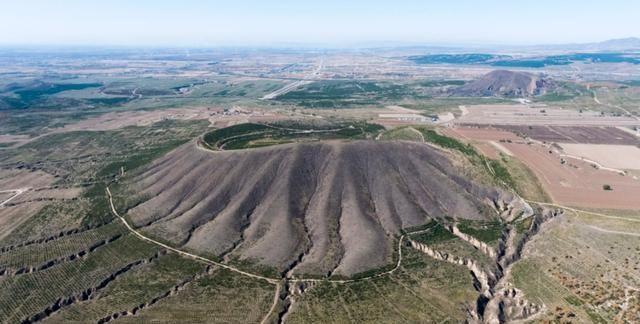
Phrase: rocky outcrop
[509,207]
[479,274]
[483,247]
[497,302]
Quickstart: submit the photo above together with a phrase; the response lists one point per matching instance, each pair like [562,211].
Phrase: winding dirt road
[583,211]
[16,193]
[278,281]
[183,253]
[274,281]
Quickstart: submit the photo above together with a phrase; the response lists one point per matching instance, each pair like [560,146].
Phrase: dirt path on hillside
[16,193]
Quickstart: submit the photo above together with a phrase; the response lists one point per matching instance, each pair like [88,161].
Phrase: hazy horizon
[194,23]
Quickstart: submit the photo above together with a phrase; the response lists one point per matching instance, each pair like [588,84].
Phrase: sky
[326,22]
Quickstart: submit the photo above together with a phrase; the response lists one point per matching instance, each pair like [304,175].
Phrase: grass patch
[245,136]
[497,171]
[488,232]
[432,136]
[523,225]
[402,134]
[437,233]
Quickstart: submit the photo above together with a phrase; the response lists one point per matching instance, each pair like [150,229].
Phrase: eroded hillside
[329,208]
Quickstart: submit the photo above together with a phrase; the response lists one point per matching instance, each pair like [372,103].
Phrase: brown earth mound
[317,208]
[504,83]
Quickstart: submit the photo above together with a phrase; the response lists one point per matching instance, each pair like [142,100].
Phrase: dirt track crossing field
[577,183]
[539,116]
[625,157]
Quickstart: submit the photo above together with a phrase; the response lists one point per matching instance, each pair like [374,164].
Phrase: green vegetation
[495,168]
[219,297]
[216,138]
[432,136]
[67,154]
[442,83]
[343,94]
[453,58]
[93,159]
[40,93]
[244,136]
[555,97]
[421,290]
[403,134]
[488,232]
[36,255]
[139,285]
[633,83]
[530,62]
[501,173]
[436,233]
[523,225]
[426,226]
[43,288]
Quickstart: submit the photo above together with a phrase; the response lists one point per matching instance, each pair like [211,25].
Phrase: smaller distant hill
[503,83]
[629,44]
[621,44]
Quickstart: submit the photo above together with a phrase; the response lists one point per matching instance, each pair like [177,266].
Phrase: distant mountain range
[620,44]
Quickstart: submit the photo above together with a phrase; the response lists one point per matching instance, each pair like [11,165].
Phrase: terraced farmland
[34,296]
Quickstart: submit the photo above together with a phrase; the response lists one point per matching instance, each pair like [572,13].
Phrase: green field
[245,136]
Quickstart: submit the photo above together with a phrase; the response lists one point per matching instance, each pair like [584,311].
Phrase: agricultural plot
[4,196]
[337,94]
[218,296]
[77,157]
[430,95]
[623,157]
[35,295]
[135,290]
[540,116]
[32,257]
[558,174]
[575,134]
[562,180]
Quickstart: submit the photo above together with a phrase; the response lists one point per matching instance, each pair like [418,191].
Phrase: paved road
[294,85]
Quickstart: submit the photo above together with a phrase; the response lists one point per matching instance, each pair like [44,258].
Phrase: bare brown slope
[505,83]
[320,208]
